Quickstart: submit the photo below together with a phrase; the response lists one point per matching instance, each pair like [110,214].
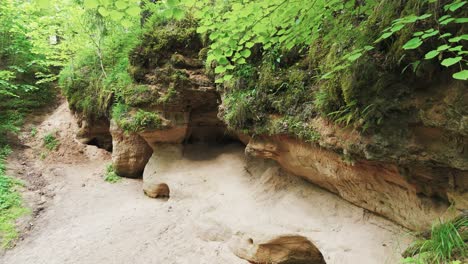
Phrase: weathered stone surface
[286,249]
[164,156]
[176,133]
[94,133]
[160,190]
[413,197]
[130,152]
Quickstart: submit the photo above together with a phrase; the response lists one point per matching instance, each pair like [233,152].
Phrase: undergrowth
[10,202]
[111,176]
[51,142]
[447,243]
[135,121]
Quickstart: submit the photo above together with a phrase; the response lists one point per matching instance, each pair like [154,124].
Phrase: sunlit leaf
[89,4]
[413,43]
[462,75]
[450,61]
[431,54]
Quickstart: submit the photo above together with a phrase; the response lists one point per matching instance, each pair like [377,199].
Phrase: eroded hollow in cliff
[95,133]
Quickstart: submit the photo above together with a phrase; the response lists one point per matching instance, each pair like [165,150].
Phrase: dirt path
[86,220]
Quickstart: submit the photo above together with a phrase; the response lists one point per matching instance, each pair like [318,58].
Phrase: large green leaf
[133,11]
[451,61]
[178,13]
[121,4]
[89,4]
[116,15]
[454,5]
[43,3]
[245,53]
[431,54]
[413,43]
[103,11]
[355,56]
[461,75]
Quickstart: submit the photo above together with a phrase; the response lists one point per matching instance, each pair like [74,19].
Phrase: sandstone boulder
[130,152]
[287,249]
[158,191]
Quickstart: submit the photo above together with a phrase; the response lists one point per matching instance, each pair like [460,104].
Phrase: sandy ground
[79,218]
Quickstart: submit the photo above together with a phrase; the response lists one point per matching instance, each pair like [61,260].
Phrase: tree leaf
[126,23]
[90,4]
[451,61]
[443,47]
[172,3]
[246,53]
[442,18]
[355,56]
[431,54]
[458,38]
[121,5]
[397,27]
[386,35]
[461,20]
[133,11]
[412,44]
[457,48]
[178,13]
[422,17]
[430,34]
[445,35]
[220,69]
[103,11]
[446,21]
[223,61]
[43,3]
[454,6]
[228,77]
[461,75]
[116,15]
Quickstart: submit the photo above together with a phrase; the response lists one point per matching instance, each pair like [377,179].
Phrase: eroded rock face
[413,198]
[165,155]
[287,249]
[130,152]
[94,133]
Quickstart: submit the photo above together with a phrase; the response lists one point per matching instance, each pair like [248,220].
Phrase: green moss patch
[135,120]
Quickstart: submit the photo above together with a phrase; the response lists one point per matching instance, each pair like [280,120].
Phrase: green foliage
[131,120]
[23,85]
[10,202]
[445,244]
[33,132]
[100,35]
[448,40]
[111,176]
[51,142]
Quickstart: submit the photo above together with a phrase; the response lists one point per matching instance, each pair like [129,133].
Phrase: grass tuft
[51,142]
[446,244]
[111,176]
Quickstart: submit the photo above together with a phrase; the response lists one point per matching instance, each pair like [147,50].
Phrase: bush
[111,176]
